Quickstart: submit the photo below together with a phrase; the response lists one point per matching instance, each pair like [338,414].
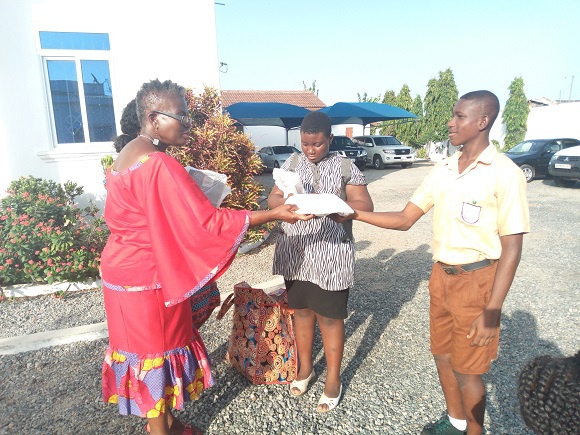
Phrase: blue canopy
[364,113]
[267,114]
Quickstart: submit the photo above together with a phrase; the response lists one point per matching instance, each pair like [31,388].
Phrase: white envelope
[320,204]
[212,184]
[288,182]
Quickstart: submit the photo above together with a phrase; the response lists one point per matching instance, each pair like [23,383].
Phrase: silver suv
[385,150]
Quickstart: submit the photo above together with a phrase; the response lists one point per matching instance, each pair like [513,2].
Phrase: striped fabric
[312,250]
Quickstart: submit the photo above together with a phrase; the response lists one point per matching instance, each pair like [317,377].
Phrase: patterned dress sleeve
[193,243]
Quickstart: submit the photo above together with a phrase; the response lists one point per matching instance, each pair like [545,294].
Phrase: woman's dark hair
[151,93]
[549,395]
[129,126]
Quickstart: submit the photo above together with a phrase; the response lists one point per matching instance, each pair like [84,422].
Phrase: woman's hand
[286,213]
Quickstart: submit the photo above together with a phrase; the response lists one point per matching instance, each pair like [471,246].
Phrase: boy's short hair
[488,103]
[316,122]
[549,396]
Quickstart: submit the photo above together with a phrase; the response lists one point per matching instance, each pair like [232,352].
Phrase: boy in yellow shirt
[480,216]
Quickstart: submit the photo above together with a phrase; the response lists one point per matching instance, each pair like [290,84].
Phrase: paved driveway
[389,378]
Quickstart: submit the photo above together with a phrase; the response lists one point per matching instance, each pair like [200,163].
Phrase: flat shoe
[331,402]
[302,385]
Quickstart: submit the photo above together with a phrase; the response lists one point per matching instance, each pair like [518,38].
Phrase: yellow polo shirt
[475,208]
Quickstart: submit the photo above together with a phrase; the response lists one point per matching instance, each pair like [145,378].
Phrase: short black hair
[549,394]
[150,95]
[488,102]
[130,126]
[316,122]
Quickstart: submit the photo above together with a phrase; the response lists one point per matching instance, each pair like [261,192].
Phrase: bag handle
[227,304]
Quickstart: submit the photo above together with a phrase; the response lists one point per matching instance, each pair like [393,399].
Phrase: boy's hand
[484,328]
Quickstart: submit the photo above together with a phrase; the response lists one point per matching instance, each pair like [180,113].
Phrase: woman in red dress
[167,241]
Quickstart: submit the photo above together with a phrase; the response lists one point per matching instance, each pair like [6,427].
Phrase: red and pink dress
[167,241]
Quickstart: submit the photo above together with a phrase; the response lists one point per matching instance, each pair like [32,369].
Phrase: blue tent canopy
[364,113]
[267,114]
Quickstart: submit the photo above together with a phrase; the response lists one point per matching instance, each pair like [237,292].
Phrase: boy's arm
[483,328]
[399,220]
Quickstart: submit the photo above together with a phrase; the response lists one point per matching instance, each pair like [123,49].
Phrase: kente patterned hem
[146,386]
[189,293]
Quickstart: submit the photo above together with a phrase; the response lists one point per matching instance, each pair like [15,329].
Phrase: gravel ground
[389,380]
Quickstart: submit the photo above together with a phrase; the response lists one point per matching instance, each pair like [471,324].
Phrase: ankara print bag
[262,345]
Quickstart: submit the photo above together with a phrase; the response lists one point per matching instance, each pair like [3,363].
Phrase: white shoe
[331,402]
[302,385]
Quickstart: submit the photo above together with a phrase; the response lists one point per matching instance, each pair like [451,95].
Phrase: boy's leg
[304,321]
[332,331]
[450,386]
[473,396]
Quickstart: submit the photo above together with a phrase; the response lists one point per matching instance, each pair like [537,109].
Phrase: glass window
[98,100]
[66,107]
[80,87]
[74,41]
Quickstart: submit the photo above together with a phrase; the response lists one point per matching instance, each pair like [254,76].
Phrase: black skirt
[327,303]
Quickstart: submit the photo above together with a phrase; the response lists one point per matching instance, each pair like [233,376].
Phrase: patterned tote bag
[262,345]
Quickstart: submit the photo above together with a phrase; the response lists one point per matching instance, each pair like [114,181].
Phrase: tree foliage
[388,98]
[218,145]
[440,98]
[364,98]
[403,129]
[311,88]
[417,138]
[515,114]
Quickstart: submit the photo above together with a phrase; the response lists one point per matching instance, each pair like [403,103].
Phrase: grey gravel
[389,380]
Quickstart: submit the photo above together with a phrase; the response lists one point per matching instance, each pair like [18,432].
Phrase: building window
[79,86]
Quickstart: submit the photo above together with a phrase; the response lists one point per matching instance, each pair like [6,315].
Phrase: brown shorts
[456,301]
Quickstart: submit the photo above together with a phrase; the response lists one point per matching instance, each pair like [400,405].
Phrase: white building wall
[176,41]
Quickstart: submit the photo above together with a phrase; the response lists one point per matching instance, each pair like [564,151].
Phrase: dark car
[565,167]
[534,155]
[344,146]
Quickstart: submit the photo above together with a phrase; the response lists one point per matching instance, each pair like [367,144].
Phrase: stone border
[31,290]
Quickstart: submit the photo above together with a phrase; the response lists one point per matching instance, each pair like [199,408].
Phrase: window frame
[77,56]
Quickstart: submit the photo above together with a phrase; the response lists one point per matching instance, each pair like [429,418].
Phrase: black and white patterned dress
[316,250]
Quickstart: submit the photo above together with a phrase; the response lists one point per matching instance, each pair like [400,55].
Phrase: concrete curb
[28,290]
[96,331]
[26,343]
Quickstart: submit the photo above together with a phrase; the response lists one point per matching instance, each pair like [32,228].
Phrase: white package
[212,184]
[320,204]
[288,182]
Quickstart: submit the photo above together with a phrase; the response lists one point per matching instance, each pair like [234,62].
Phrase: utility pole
[571,84]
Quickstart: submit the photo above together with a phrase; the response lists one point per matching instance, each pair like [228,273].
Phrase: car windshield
[339,142]
[386,140]
[525,147]
[284,150]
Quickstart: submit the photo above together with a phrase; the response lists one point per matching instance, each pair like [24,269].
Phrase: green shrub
[45,237]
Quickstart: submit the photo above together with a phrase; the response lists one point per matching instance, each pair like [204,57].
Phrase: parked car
[275,156]
[344,146]
[534,155]
[564,167]
[385,150]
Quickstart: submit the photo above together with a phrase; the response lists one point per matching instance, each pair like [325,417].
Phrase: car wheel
[529,172]
[563,182]
[276,164]
[406,165]
[378,162]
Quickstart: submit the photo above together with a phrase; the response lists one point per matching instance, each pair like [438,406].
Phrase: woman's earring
[156,140]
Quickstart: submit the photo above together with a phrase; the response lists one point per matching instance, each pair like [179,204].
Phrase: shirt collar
[486,157]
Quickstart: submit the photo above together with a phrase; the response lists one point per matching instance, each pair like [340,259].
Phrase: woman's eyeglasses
[184,119]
